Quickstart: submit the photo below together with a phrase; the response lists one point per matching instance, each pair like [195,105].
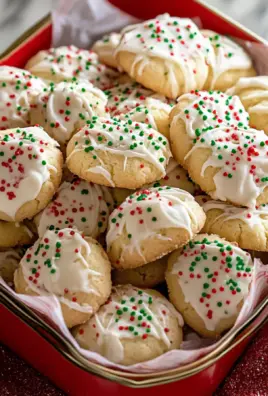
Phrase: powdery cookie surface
[31,169]
[116,153]
[230,63]
[133,326]
[151,223]
[253,93]
[105,47]
[9,262]
[211,138]
[65,107]
[247,227]
[71,64]
[208,281]
[80,205]
[149,275]
[74,269]
[17,89]
[168,55]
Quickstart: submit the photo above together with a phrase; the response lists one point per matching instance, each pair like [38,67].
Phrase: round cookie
[74,269]
[15,234]
[63,108]
[211,138]
[9,262]
[168,55]
[116,153]
[230,63]
[135,325]
[30,172]
[149,275]
[150,223]
[18,88]
[208,281]
[71,64]
[80,205]
[253,93]
[247,227]
[105,47]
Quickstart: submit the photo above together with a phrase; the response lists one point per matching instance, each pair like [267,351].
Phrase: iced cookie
[211,138]
[150,223]
[116,153]
[80,205]
[230,63]
[105,47]
[168,55]
[149,275]
[253,93]
[30,172]
[133,326]
[15,234]
[9,262]
[74,269]
[71,64]
[208,281]
[17,89]
[247,227]
[63,108]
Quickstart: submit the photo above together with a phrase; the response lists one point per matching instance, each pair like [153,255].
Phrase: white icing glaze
[72,63]
[59,263]
[129,313]
[106,46]
[177,41]
[67,106]
[214,278]
[228,55]
[80,205]
[248,82]
[24,166]
[144,213]
[17,88]
[124,138]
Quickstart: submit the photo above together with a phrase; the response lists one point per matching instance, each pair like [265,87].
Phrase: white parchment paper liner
[193,347]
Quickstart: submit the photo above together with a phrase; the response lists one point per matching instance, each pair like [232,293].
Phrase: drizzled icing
[129,313]
[71,63]
[9,262]
[144,213]
[17,87]
[175,40]
[67,106]
[214,277]
[220,123]
[129,139]
[228,55]
[24,166]
[80,205]
[106,46]
[59,264]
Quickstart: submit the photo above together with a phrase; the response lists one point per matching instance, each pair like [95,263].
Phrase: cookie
[253,93]
[135,325]
[208,281]
[115,153]
[9,262]
[247,227]
[211,138]
[18,88]
[151,223]
[30,172]
[63,108]
[71,64]
[230,63]
[80,205]
[74,269]
[149,275]
[168,55]
[15,234]
[105,47]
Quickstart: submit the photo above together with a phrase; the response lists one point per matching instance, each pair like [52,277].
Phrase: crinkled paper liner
[81,23]
[192,348]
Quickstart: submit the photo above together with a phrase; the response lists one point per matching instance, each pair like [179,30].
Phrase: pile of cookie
[130,166]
